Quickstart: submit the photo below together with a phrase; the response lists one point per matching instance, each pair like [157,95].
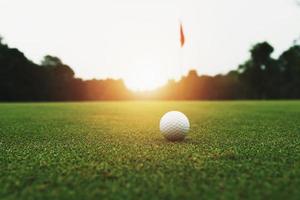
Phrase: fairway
[114,150]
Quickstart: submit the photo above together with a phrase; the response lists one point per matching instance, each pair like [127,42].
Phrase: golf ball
[174,125]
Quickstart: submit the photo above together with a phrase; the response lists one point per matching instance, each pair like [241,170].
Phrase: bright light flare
[145,78]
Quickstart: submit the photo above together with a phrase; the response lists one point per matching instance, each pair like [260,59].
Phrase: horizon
[147,53]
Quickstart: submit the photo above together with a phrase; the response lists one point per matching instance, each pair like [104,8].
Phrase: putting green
[113,150]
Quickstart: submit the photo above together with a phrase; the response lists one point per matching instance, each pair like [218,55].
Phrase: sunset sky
[138,40]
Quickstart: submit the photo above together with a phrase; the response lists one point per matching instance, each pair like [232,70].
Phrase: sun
[145,79]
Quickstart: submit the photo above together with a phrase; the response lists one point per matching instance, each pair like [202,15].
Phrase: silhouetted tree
[256,72]
[290,70]
[260,77]
[18,76]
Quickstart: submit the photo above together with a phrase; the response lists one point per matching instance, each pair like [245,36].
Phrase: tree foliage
[260,77]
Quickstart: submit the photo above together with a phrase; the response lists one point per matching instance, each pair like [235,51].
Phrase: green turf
[235,150]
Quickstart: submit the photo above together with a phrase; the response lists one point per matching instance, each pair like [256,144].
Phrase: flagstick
[181,57]
[181,49]
[180,62]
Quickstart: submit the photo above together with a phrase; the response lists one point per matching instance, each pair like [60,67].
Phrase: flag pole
[181,56]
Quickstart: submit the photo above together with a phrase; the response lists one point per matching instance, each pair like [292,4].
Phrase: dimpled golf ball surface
[174,125]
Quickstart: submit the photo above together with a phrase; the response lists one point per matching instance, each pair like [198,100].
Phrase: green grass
[235,150]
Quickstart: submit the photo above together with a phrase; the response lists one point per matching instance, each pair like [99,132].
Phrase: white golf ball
[174,125]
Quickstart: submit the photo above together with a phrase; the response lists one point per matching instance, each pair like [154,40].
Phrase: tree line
[52,80]
[260,77]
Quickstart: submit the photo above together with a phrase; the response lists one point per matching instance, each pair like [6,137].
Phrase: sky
[138,40]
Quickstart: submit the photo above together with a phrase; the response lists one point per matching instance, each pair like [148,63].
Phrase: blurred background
[126,50]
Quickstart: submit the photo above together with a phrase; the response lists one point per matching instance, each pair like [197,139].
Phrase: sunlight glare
[144,79]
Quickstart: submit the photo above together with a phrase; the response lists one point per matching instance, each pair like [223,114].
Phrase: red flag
[182,39]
